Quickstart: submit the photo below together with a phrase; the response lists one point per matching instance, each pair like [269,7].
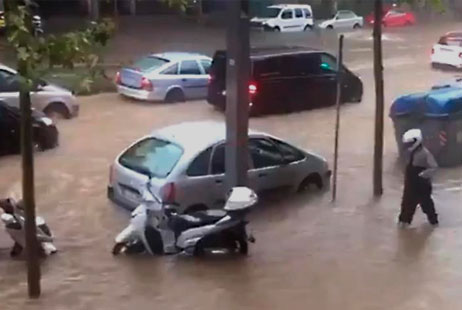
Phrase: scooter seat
[180,223]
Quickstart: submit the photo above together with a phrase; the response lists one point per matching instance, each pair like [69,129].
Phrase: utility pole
[379,99]
[237,95]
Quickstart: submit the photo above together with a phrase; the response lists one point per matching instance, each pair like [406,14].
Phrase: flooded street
[309,253]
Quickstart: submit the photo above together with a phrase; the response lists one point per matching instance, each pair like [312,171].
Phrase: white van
[285,18]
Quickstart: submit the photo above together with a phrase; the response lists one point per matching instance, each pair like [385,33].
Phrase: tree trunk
[379,100]
[28,194]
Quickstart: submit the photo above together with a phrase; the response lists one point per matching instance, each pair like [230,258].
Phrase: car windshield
[149,63]
[152,156]
[270,13]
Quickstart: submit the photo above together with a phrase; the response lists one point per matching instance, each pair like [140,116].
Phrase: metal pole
[237,96]
[337,119]
[379,97]
[28,193]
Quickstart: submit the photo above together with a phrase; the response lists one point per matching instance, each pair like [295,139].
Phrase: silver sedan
[170,77]
[188,164]
[48,98]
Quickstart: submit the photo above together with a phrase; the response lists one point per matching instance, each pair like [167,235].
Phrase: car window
[154,156]
[172,70]
[190,67]
[264,153]
[218,160]
[287,14]
[206,64]
[9,82]
[298,13]
[307,13]
[200,165]
[149,63]
[289,153]
[328,64]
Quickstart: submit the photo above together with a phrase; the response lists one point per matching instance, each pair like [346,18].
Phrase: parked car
[48,98]
[170,77]
[371,17]
[396,18]
[287,80]
[285,18]
[45,133]
[188,164]
[344,19]
[448,50]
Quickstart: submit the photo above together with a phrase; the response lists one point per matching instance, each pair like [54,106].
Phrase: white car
[48,98]
[344,19]
[285,18]
[187,162]
[448,50]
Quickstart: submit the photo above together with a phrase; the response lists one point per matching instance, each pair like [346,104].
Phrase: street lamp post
[237,95]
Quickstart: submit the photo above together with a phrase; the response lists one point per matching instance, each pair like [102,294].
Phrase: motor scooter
[13,218]
[156,227]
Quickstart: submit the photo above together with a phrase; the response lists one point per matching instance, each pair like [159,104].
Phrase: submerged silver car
[344,19]
[187,162]
[48,98]
[170,77]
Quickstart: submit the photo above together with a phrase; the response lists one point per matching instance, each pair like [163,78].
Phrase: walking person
[417,181]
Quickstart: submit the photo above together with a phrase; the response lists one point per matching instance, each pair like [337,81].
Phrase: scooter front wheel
[118,247]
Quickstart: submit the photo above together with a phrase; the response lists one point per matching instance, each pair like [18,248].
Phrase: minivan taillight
[118,79]
[253,88]
[146,84]
[168,193]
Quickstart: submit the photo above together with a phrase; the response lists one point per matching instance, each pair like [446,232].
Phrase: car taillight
[253,88]
[168,193]
[211,78]
[118,79]
[111,174]
[146,84]
[460,55]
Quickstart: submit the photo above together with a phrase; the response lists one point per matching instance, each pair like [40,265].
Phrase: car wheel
[408,23]
[312,179]
[196,208]
[57,110]
[308,27]
[174,96]
[330,27]
[277,29]
[356,26]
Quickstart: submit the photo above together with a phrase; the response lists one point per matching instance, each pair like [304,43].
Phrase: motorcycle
[13,218]
[156,227]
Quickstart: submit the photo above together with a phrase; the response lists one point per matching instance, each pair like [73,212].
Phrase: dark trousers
[413,197]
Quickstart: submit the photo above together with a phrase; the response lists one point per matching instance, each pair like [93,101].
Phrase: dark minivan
[286,80]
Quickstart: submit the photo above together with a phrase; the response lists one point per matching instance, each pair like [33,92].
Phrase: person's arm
[432,165]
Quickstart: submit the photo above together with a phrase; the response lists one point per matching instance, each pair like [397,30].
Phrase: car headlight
[47,121]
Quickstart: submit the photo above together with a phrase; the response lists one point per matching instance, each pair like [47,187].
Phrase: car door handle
[184,80]
[262,175]
[218,181]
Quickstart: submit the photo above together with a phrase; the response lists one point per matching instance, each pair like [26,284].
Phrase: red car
[394,18]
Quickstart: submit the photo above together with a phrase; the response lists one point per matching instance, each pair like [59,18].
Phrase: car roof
[177,56]
[272,51]
[453,34]
[6,68]
[196,136]
[290,6]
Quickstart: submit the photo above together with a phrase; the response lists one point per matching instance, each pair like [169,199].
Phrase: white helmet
[412,139]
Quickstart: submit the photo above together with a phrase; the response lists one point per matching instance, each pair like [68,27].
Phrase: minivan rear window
[152,156]
[149,63]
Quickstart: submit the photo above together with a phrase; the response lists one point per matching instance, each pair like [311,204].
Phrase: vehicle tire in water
[356,26]
[174,96]
[277,29]
[308,28]
[243,246]
[312,179]
[57,110]
[330,27]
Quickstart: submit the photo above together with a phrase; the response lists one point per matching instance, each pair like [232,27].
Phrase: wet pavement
[310,253]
